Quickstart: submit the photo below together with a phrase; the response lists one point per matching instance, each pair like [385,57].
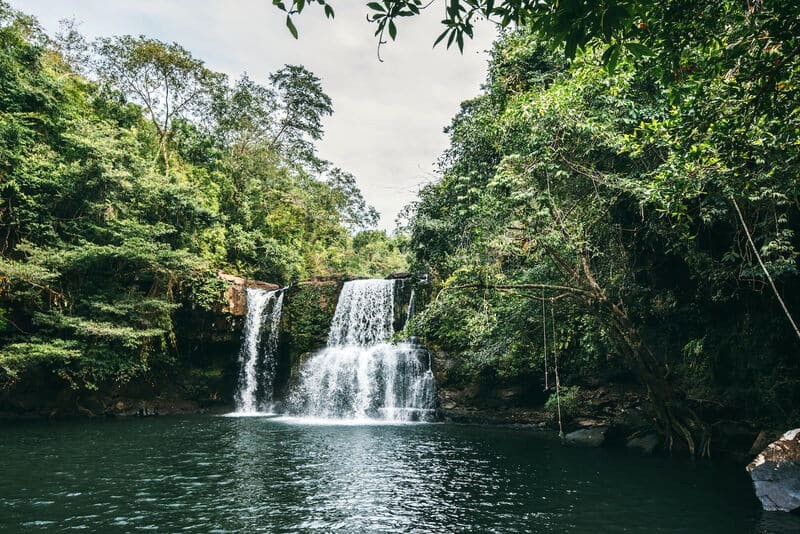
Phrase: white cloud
[388,120]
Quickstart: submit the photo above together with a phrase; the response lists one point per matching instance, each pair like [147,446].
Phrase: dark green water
[208,474]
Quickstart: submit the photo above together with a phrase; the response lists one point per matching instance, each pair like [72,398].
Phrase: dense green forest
[129,174]
[604,266]
[621,200]
[637,194]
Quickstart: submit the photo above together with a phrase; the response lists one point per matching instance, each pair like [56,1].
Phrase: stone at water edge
[776,473]
[764,438]
[646,444]
[587,437]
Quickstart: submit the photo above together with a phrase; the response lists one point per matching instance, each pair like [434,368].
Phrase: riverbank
[618,411]
[193,392]
[610,415]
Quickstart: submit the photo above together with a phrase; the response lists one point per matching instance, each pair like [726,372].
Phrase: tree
[163,78]
[284,117]
[280,190]
[302,106]
[73,46]
[349,203]
[244,115]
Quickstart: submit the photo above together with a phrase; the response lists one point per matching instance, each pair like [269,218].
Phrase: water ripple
[291,475]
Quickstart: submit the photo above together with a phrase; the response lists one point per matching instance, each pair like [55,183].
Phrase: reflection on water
[285,475]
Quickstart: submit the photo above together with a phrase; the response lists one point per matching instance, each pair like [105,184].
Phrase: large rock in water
[236,293]
[646,443]
[776,473]
[587,437]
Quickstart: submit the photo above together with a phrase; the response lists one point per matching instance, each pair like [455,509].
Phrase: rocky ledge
[776,473]
[235,296]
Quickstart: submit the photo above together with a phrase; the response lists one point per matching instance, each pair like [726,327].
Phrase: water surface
[249,474]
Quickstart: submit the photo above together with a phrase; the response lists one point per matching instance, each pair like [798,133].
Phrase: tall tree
[302,106]
[163,78]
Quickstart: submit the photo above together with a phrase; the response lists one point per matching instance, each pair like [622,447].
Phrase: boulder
[646,443]
[235,296]
[587,437]
[764,438]
[776,473]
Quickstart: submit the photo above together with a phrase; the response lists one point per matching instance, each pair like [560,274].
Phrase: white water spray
[364,313]
[410,311]
[360,374]
[258,352]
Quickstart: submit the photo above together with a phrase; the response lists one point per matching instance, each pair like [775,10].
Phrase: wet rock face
[764,438]
[776,473]
[235,295]
[587,437]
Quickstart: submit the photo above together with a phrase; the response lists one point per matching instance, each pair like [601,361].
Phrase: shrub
[569,400]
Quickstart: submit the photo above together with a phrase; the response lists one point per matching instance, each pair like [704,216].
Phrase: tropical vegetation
[631,209]
[130,173]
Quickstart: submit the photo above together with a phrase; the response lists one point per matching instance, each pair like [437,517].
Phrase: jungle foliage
[616,209]
[130,173]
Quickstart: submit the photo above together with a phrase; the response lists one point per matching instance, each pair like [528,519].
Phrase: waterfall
[259,347]
[364,313]
[361,374]
[410,310]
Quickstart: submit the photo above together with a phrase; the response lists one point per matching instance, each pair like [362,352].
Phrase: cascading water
[410,311]
[364,314]
[360,374]
[259,346]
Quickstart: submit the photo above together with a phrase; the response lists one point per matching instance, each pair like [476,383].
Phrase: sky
[388,116]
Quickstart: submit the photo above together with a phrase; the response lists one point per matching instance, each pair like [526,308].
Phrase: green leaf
[571,47]
[392,30]
[609,53]
[638,49]
[290,25]
[613,59]
[441,37]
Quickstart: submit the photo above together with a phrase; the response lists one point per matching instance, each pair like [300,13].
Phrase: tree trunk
[676,420]
[165,155]
[672,414]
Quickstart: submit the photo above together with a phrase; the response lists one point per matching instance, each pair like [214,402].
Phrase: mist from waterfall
[257,357]
[362,374]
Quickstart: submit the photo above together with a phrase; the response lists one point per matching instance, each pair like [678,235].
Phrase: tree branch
[565,290]
[764,268]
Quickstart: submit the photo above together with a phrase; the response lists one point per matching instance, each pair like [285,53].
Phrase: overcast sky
[388,118]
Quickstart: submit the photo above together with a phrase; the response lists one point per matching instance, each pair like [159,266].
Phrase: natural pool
[223,474]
